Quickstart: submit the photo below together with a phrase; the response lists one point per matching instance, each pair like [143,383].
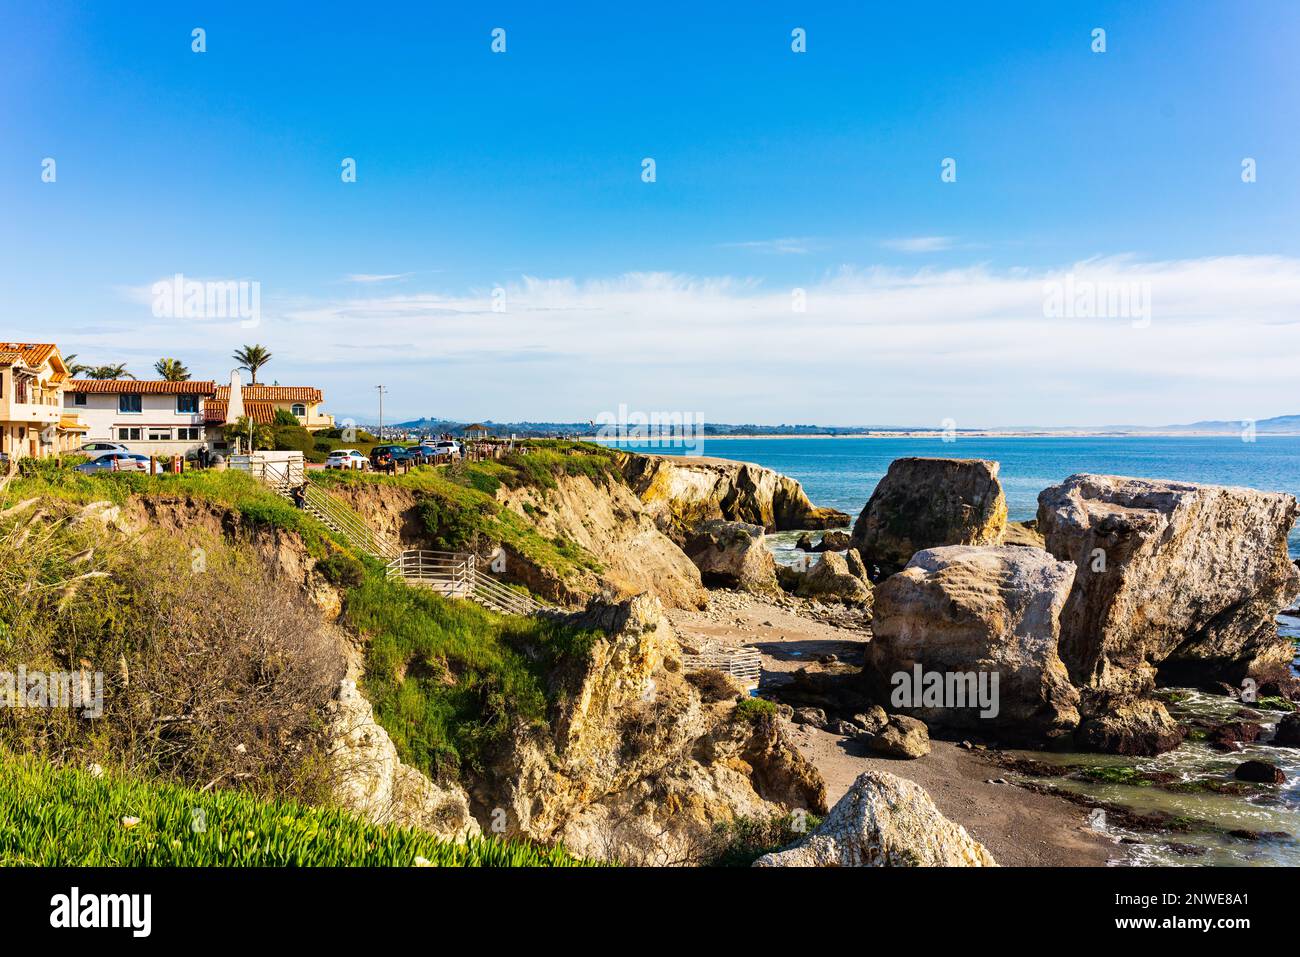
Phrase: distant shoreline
[990,434]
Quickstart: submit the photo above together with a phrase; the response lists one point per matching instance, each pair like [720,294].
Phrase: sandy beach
[1019,827]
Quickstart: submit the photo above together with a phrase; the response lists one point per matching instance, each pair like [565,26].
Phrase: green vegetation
[448,679]
[744,840]
[1114,774]
[460,513]
[755,710]
[66,817]
[342,571]
[1274,703]
[237,490]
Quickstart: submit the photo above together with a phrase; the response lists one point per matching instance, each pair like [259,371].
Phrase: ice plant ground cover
[68,817]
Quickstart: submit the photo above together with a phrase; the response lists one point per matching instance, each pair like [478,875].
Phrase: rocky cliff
[682,491]
[636,765]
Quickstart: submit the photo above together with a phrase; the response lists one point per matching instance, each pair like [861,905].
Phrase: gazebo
[476,431]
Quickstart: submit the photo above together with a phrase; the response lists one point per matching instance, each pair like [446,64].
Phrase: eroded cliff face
[683,491]
[610,523]
[636,766]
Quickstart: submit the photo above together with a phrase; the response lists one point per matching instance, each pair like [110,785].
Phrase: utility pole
[382,390]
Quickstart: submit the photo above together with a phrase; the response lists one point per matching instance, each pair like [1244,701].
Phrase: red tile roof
[274,393]
[263,413]
[33,354]
[143,386]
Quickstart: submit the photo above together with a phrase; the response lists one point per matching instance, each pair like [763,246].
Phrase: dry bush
[214,674]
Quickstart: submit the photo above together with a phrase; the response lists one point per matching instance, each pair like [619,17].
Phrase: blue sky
[775,171]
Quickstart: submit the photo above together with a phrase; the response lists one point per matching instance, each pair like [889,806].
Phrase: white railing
[743,664]
[458,575]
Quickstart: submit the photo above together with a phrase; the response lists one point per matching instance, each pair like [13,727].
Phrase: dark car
[388,456]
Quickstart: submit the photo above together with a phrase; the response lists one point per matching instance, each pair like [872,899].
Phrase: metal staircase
[453,574]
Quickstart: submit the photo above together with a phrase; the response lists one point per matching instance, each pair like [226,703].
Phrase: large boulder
[984,619]
[733,555]
[836,577]
[1126,724]
[884,821]
[901,737]
[1173,577]
[925,503]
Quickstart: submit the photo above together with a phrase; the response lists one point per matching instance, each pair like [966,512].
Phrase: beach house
[153,417]
[261,402]
[33,421]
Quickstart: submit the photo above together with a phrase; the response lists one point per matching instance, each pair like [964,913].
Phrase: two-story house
[153,417]
[33,421]
[304,402]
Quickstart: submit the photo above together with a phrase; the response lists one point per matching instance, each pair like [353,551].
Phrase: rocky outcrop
[836,577]
[1173,577]
[1288,731]
[884,821]
[901,737]
[835,540]
[635,765]
[1126,724]
[369,778]
[926,503]
[980,625]
[682,491]
[733,555]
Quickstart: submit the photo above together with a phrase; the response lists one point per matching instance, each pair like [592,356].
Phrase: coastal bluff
[683,491]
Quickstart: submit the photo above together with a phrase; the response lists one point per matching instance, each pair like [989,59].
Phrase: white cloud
[366,277]
[783,246]
[919,244]
[874,345]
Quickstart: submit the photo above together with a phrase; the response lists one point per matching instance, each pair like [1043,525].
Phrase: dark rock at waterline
[1129,726]
[1288,731]
[1186,850]
[1248,835]
[1259,772]
[1234,735]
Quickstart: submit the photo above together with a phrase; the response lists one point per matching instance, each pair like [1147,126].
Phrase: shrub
[755,710]
[213,672]
[343,571]
[715,685]
[744,840]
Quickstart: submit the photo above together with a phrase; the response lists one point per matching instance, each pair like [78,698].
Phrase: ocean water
[842,472]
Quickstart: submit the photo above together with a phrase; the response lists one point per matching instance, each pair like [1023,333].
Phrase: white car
[347,459]
[119,462]
[95,448]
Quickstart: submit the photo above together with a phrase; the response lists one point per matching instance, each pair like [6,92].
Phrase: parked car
[446,447]
[119,462]
[93,448]
[347,459]
[381,455]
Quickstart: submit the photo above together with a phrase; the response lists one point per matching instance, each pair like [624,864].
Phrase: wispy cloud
[366,277]
[920,244]
[784,246]
[869,345]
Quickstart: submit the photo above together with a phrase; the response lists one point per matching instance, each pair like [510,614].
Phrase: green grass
[65,817]
[449,679]
[257,504]
[459,510]
[744,840]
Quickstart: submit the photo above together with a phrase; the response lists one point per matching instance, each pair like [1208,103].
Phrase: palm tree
[74,367]
[172,370]
[252,358]
[117,371]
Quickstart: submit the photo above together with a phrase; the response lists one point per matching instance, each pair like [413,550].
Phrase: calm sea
[842,472]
